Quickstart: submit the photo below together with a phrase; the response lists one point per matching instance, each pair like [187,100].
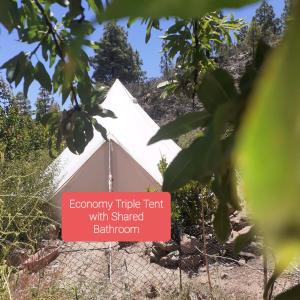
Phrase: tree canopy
[115,57]
[43,104]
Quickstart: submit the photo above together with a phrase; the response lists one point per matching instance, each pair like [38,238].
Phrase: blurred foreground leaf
[268,153]
[291,294]
[180,126]
[159,8]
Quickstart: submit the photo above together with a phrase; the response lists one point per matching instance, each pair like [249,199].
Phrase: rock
[224,275]
[40,259]
[125,244]
[152,292]
[242,261]
[169,246]
[245,230]
[234,235]
[189,244]
[17,257]
[247,255]
[158,252]
[154,258]
[202,269]
[193,296]
[254,248]
[52,232]
[171,260]
[238,221]
[191,262]
[203,279]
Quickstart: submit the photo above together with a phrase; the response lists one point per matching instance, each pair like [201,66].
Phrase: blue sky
[150,53]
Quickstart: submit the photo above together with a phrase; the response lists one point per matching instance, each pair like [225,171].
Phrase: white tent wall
[134,164]
[127,175]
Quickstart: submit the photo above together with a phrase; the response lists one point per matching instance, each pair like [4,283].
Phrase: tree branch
[56,39]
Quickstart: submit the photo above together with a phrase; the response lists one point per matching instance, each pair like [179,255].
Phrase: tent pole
[110,180]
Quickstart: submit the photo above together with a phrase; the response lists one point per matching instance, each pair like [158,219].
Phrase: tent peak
[119,85]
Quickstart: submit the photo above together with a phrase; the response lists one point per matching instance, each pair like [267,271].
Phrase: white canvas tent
[127,157]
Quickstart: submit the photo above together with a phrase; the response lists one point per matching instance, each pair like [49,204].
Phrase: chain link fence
[187,264]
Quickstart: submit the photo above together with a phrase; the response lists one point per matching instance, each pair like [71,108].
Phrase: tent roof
[132,130]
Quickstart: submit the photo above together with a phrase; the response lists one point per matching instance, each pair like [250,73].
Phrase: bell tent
[125,163]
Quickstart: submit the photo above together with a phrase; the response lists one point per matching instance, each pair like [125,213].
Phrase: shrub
[187,201]
[25,209]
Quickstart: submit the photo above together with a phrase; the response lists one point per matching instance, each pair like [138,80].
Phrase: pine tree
[43,104]
[265,19]
[22,103]
[6,96]
[264,26]
[116,58]
[286,13]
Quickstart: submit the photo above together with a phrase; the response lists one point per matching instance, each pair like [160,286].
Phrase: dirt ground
[106,271]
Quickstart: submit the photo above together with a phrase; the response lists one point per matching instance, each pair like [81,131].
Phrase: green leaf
[97,7]
[249,78]
[152,23]
[262,51]
[28,78]
[100,128]
[269,146]
[75,8]
[197,162]
[163,8]
[106,113]
[222,222]
[131,21]
[291,294]
[217,88]
[82,132]
[82,29]
[84,90]
[180,126]
[51,119]
[225,190]
[65,93]
[14,67]
[9,15]
[42,76]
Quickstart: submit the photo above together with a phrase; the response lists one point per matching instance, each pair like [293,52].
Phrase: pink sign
[116,216]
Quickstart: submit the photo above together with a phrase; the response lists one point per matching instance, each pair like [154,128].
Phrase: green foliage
[25,209]
[264,26]
[5,93]
[181,126]
[268,149]
[286,14]
[265,18]
[193,42]
[115,58]
[209,157]
[61,44]
[158,8]
[187,204]
[44,104]
[291,294]
[188,200]
[19,134]
[22,104]
[166,65]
